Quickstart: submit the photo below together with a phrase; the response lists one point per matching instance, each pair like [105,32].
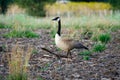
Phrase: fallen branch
[57,55]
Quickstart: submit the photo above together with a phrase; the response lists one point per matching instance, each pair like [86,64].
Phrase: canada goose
[66,44]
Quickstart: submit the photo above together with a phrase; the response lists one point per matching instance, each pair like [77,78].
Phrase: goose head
[56,19]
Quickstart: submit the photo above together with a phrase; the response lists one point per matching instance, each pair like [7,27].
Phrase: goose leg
[69,53]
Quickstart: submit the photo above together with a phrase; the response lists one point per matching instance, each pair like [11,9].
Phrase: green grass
[86,57]
[39,78]
[34,51]
[52,33]
[85,54]
[21,34]
[2,25]
[21,76]
[115,28]
[89,22]
[99,47]
[104,37]
[87,26]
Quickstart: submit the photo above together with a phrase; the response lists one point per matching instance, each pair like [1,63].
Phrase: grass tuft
[99,47]
[86,55]
[104,38]
[2,25]
[21,34]
[34,51]
[52,33]
[18,63]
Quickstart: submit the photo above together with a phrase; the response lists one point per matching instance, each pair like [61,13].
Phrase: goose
[66,44]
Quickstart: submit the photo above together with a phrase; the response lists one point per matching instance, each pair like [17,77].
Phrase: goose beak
[53,19]
[56,19]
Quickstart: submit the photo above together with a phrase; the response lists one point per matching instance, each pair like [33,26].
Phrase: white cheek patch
[58,19]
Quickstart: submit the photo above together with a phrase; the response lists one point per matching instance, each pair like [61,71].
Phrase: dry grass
[18,62]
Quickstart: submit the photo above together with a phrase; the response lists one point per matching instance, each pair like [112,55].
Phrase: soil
[101,65]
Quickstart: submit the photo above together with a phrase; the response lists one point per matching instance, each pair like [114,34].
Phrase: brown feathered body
[67,44]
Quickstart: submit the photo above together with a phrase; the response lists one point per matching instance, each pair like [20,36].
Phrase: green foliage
[21,34]
[86,55]
[40,78]
[34,51]
[115,28]
[104,38]
[115,3]
[52,33]
[20,76]
[34,7]
[4,5]
[99,47]
[89,0]
[2,25]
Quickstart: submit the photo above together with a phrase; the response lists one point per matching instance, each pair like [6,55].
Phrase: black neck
[59,28]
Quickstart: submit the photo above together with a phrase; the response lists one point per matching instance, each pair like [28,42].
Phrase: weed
[18,63]
[34,51]
[2,25]
[86,57]
[21,34]
[52,33]
[87,33]
[85,53]
[99,47]
[104,38]
[39,78]
[18,76]
[58,49]
[115,28]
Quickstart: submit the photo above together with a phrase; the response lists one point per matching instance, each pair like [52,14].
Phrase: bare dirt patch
[101,66]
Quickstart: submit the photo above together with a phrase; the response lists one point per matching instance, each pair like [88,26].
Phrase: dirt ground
[101,66]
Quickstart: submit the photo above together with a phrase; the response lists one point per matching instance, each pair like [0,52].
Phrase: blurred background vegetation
[50,7]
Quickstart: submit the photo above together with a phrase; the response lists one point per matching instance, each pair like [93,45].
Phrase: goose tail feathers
[80,46]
